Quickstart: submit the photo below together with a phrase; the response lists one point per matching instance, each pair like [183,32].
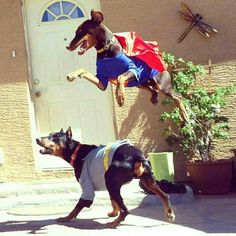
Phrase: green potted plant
[196,136]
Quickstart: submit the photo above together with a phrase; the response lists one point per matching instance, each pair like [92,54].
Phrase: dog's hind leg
[149,182]
[165,86]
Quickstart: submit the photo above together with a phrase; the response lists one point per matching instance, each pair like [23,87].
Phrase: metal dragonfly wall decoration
[196,20]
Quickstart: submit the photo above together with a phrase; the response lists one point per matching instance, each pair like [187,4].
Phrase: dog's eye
[55,138]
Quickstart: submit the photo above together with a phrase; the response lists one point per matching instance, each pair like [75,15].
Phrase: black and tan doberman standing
[104,167]
[114,65]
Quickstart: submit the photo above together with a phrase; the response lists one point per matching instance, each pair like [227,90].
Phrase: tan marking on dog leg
[138,168]
[115,210]
[120,96]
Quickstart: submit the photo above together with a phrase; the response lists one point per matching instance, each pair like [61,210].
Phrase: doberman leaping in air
[114,65]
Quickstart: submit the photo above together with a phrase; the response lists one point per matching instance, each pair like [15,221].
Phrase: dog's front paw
[78,74]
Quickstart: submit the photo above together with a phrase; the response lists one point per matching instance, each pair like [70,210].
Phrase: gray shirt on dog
[92,175]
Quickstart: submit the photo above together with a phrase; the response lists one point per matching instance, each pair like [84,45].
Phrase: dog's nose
[70,78]
[68,48]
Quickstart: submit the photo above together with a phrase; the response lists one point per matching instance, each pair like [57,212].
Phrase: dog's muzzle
[45,150]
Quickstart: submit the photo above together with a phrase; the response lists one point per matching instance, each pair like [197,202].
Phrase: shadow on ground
[209,214]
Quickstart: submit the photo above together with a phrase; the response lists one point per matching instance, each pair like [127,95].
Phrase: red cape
[147,51]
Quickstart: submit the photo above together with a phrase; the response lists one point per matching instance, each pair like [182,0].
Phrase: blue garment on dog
[111,68]
[92,175]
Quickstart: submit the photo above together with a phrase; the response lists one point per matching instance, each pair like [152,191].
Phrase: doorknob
[37,94]
[36,82]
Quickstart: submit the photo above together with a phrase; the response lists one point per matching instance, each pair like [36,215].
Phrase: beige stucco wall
[15,130]
[15,125]
[158,20]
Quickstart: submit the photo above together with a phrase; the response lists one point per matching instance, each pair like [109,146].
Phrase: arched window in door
[62,10]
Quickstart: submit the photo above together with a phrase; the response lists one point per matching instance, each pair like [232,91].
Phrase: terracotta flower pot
[213,177]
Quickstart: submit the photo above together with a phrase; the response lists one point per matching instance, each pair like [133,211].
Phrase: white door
[58,103]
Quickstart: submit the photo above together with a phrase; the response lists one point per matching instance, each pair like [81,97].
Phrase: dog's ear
[69,132]
[96,16]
